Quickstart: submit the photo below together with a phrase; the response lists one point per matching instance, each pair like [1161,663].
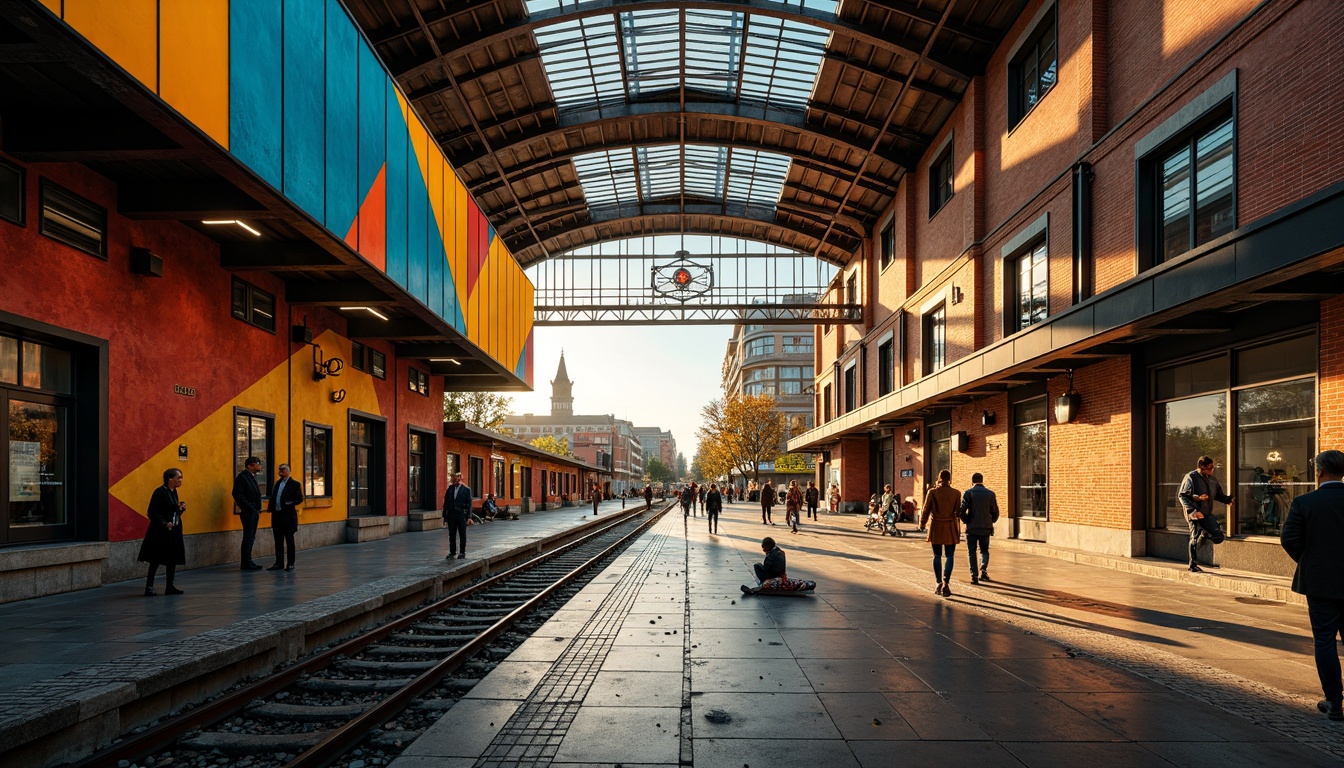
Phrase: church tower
[562,391]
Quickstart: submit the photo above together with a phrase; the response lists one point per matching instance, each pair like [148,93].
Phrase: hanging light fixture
[1067,404]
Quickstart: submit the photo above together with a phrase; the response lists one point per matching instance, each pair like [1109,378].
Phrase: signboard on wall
[25,470]
[907,473]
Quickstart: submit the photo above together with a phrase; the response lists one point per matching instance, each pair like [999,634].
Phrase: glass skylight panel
[781,61]
[659,171]
[582,61]
[756,177]
[705,167]
[608,177]
[714,50]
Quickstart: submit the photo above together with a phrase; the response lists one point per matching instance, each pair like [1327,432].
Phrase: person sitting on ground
[771,575]
[489,508]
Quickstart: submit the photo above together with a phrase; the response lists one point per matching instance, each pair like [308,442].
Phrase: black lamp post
[1067,404]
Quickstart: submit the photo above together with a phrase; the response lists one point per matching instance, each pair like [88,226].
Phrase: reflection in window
[252,437]
[1033,303]
[1031,443]
[1188,429]
[316,461]
[1196,187]
[415,454]
[1276,441]
[940,450]
[37,464]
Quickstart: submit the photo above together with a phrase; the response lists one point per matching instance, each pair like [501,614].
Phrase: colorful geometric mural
[293,91]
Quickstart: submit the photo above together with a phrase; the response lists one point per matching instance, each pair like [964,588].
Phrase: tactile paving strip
[533,734]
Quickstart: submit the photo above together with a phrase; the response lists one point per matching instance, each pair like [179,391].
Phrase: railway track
[376,692]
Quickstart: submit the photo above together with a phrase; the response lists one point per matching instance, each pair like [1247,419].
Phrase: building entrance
[367,443]
[36,442]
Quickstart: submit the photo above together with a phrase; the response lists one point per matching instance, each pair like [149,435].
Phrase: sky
[652,375]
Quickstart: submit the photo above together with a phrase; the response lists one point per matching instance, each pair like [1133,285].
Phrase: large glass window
[1031,445]
[252,437]
[798,345]
[1033,303]
[475,475]
[1033,70]
[497,469]
[38,464]
[1253,410]
[940,181]
[316,461]
[888,244]
[935,339]
[759,347]
[415,462]
[1196,191]
[939,451]
[886,367]
[762,374]
[851,388]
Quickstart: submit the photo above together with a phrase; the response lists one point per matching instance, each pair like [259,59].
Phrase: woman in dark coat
[163,544]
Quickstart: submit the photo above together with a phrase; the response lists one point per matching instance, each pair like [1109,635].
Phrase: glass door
[366,467]
[36,442]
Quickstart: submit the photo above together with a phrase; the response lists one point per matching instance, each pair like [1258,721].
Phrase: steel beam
[335,293]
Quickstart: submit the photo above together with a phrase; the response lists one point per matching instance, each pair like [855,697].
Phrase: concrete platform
[110,657]
[662,661]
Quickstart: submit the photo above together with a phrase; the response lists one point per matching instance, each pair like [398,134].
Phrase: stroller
[875,519]
[889,520]
[884,521]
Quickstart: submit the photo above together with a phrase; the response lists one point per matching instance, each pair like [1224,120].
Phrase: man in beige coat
[941,506]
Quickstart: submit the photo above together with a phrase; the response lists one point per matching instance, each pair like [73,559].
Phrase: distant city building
[600,439]
[658,443]
[775,360]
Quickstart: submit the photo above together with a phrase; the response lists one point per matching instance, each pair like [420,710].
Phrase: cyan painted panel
[305,105]
[398,149]
[255,93]
[343,191]
[436,270]
[373,117]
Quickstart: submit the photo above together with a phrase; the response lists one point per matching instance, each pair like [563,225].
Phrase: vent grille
[70,219]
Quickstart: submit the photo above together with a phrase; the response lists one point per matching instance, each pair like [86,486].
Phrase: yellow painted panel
[209,473]
[127,31]
[194,62]
[54,6]
[459,236]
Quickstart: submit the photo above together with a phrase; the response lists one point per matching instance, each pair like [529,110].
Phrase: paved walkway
[46,637]
[662,661]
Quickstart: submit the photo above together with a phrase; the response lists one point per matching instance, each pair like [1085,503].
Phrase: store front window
[1253,409]
[36,441]
[940,450]
[1031,458]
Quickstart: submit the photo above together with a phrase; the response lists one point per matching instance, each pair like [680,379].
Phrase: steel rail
[168,732]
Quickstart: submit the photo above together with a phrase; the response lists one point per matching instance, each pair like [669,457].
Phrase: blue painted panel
[305,110]
[373,117]
[398,147]
[437,265]
[418,222]
[343,191]
[255,95]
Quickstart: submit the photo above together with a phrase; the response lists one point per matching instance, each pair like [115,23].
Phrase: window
[357,356]
[316,460]
[887,244]
[939,451]
[418,381]
[851,388]
[497,469]
[797,345]
[253,305]
[12,193]
[452,465]
[377,364]
[935,339]
[252,437]
[1196,190]
[476,467]
[1253,409]
[415,469]
[1031,457]
[760,347]
[762,374]
[886,367]
[70,219]
[759,388]
[790,388]
[1030,274]
[940,181]
[1033,70]
[826,400]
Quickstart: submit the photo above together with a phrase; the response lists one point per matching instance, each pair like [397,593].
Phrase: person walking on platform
[833,499]
[285,500]
[1198,491]
[979,511]
[813,497]
[163,544]
[767,503]
[713,506]
[595,495]
[941,506]
[624,496]
[456,507]
[247,495]
[1313,535]
[700,492]
[648,496]
[686,496]
[793,504]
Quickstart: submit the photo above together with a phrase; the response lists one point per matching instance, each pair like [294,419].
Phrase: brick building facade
[1141,204]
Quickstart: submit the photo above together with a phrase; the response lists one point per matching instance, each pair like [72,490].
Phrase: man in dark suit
[648,496]
[1313,535]
[767,503]
[285,499]
[247,495]
[456,508]
[979,511]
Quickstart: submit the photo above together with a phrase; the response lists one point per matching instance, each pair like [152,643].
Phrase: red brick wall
[1090,458]
[1331,395]
[852,454]
[988,445]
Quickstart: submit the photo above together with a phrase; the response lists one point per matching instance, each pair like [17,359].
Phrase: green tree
[482,409]
[552,444]
[655,471]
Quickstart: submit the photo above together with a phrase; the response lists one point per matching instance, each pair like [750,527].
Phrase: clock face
[682,277]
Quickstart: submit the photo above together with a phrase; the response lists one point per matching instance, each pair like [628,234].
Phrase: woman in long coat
[941,507]
[163,544]
[793,504]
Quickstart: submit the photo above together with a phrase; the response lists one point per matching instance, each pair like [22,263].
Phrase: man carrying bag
[1198,491]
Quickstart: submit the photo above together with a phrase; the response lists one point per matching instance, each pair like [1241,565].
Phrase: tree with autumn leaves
[738,433]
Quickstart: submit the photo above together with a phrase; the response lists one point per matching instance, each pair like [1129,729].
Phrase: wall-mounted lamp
[986,418]
[956,294]
[912,435]
[144,262]
[1067,404]
[370,310]
[961,442]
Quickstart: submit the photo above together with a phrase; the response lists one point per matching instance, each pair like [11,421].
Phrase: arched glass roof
[783,121]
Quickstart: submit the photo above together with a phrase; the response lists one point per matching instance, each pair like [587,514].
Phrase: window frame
[22,189]
[886,245]
[268,461]
[476,476]
[944,159]
[377,369]
[358,353]
[1187,143]
[417,381]
[926,327]
[249,312]
[48,187]
[850,387]
[309,427]
[1030,46]
[886,368]
[1029,252]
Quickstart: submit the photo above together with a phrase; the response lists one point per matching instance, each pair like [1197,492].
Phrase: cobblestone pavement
[1051,664]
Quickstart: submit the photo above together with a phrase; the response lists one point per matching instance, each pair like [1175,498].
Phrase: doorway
[366,466]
